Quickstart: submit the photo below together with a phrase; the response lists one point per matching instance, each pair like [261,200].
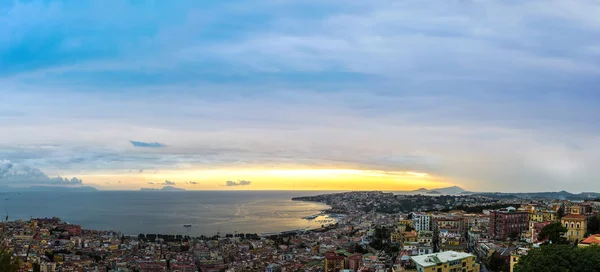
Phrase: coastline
[134,212]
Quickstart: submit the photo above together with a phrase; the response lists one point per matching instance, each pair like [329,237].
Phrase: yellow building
[314,249]
[425,237]
[410,236]
[446,262]
[537,217]
[516,256]
[448,223]
[575,209]
[549,216]
[396,237]
[576,225]
[406,222]
[452,245]
[401,228]
[542,216]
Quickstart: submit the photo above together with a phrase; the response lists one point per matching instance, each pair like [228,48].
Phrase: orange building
[591,240]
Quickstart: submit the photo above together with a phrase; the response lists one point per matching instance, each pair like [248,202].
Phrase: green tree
[8,263]
[554,232]
[560,212]
[594,225]
[496,263]
[560,258]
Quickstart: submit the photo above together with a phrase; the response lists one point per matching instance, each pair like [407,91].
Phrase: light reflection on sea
[133,212]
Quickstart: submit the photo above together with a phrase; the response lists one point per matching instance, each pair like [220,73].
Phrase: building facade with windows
[576,225]
[504,222]
[333,262]
[421,221]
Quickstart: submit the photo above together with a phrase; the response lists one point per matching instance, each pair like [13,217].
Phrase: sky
[301,94]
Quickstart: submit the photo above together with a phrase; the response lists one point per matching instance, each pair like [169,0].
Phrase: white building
[421,221]
[446,261]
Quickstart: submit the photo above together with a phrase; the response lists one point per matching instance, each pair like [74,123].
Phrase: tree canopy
[560,258]
[554,232]
[594,224]
[560,212]
[7,262]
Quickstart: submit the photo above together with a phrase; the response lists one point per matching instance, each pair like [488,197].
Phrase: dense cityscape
[372,231]
[299,136]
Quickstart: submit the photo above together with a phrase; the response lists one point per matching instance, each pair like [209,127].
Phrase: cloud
[476,92]
[238,183]
[147,144]
[22,175]
[168,182]
[193,182]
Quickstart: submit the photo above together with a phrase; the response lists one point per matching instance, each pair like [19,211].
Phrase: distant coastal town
[365,231]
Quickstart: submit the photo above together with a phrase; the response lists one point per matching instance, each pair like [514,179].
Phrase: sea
[135,212]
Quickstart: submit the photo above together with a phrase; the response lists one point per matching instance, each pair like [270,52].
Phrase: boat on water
[187,225]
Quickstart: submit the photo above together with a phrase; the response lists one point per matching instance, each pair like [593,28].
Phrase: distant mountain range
[165,188]
[48,189]
[453,190]
[550,195]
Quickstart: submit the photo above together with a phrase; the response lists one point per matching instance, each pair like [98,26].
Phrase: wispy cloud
[478,92]
[147,144]
[238,183]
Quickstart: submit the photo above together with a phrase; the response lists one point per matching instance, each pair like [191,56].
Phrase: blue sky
[488,95]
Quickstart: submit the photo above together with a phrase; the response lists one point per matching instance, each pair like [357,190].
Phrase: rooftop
[593,239]
[441,257]
[574,216]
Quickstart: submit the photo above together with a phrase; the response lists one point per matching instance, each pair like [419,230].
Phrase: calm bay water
[133,212]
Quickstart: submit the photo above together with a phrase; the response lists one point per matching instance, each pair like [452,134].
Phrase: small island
[163,189]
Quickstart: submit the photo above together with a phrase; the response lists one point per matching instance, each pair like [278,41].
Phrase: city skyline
[301,95]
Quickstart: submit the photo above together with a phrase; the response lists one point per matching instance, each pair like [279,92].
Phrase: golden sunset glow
[273,179]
